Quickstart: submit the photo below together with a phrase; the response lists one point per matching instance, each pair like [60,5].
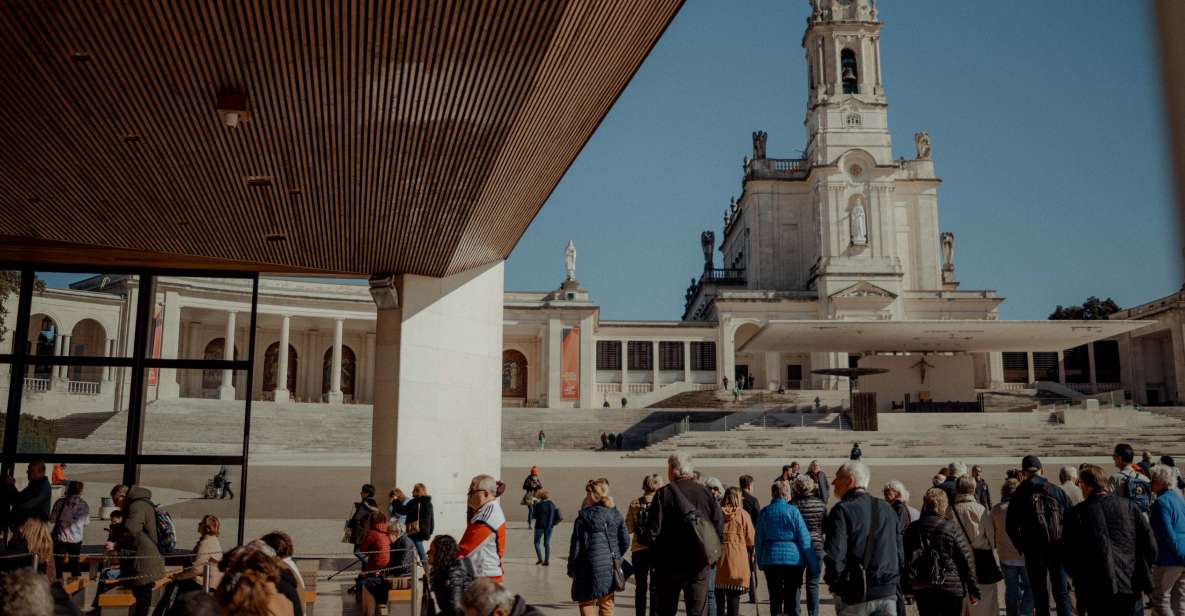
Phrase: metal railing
[85,388]
[724,275]
[36,385]
[1087,388]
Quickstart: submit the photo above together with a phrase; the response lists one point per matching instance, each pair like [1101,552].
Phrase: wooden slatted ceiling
[419,136]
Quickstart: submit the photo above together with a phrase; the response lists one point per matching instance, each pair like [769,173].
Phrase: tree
[1093,309]
[10,284]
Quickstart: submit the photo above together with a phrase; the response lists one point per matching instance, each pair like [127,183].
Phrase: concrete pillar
[555,341]
[1138,383]
[367,372]
[59,350]
[64,371]
[166,383]
[588,364]
[1061,367]
[1091,367]
[686,361]
[281,393]
[726,363]
[773,370]
[437,394]
[1032,368]
[1177,362]
[227,390]
[335,369]
[654,365]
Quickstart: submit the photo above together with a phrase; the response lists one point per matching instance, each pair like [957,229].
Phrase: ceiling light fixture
[232,108]
[276,237]
[82,56]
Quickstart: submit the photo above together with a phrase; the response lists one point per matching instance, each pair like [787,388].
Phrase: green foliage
[1092,309]
[10,284]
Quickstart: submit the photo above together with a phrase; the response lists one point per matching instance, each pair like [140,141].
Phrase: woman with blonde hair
[599,540]
[38,541]
[732,572]
[636,518]
[420,522]
[940,569]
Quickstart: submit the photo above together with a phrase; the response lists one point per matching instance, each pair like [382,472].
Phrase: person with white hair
[898,497]
[863,561]
[679,560]
[1167,517]
[484,541]
[950,485]
[25,591]
[484,597]
[1067,478]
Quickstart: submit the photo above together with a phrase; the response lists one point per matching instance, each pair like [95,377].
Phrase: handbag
[852,585]
[414,527]
[987,570]
[706,537]
[619,573]
[348,532]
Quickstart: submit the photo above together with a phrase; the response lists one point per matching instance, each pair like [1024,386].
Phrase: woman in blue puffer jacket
[782,538]
[598,535]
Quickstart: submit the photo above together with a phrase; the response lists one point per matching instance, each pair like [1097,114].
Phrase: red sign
[570,365]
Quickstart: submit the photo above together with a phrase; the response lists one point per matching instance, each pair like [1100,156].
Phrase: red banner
[570,365]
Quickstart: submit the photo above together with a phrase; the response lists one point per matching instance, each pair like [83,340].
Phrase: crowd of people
[1093,542]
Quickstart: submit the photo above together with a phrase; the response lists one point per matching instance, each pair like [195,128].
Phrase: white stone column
[654,365]
[1032,368]
[1061,367]
[687,361]
[773,370]
[55,374]
[555,341]
[108,351]
[227,390]
[625,372]
[166,383]
[438,395]
[1091,367]
[995,364]
[1177,340]
[367,371]
[588,364]
[281,393]
[335,370]
[64,371]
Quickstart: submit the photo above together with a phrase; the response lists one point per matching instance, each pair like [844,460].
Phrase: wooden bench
[121,600]
[308,572]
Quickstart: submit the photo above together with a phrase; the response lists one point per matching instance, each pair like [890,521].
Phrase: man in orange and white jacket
[484,541]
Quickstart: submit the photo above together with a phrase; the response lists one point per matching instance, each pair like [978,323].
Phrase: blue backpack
[1139,491]
[166,534]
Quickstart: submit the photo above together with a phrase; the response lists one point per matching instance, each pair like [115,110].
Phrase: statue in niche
[732,204]
[859,224]
[570,260]
[948,250]
[759,138]
[922,141]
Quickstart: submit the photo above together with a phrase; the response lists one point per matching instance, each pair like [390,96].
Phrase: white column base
[334,397]
[226,392]
[281,395]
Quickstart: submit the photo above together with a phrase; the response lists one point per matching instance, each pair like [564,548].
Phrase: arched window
[849,72]
[43,335]
[514,374]
[212,379]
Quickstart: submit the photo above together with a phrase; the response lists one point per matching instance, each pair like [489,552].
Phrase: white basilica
[829,261]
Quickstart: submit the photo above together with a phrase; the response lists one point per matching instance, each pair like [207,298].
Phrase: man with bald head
[31,502]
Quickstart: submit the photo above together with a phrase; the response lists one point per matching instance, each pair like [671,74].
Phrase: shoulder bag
[704,532]
[987,570]
[853,582]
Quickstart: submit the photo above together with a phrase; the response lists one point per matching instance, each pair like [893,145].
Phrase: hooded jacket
[597,535]
[139,512]
[1108,546]
[419,510]
[739,534]
[1168,526]
[1021,519]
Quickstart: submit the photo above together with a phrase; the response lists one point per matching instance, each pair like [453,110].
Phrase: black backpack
[927,568]
[1047,514]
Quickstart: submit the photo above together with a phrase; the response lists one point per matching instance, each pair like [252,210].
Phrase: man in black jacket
[676,556]
[31,502]
[847,534]
[1042,560]
[1109,548]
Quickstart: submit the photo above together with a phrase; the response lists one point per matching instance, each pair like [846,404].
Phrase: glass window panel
[191,316]
[81,315]
[188,492]
[64,416]
[97,481]
[190,411]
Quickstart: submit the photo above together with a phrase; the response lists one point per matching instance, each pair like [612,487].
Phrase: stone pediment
[865,291]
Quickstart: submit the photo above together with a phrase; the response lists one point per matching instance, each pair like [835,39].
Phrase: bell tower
[846,106]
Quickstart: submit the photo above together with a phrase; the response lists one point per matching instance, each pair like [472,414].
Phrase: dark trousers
[668,585]
[1043,567]
[783,582]
[143,595]
[937,603]
[543,543]
[641,563]
[1110,605]
[728,602]
[226,493]
[71,549]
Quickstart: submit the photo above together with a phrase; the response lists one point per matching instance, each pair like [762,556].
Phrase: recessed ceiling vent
[259,181]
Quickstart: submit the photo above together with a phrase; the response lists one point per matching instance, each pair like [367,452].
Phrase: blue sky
[1046,124]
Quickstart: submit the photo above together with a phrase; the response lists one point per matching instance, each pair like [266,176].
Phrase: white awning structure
[937,336]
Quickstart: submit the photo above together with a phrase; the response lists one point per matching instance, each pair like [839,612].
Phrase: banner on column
[570,365]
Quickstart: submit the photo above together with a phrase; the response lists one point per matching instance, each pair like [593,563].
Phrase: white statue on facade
[948,250]
[859,224]
[570,260]
[922,141]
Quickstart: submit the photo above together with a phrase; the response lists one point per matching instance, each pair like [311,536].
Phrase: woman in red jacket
[376,548]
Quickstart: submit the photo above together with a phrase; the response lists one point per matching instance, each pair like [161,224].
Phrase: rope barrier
[180,554]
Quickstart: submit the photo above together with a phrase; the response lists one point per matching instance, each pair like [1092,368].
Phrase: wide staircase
[582,428]
[944,437]
[797,400]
